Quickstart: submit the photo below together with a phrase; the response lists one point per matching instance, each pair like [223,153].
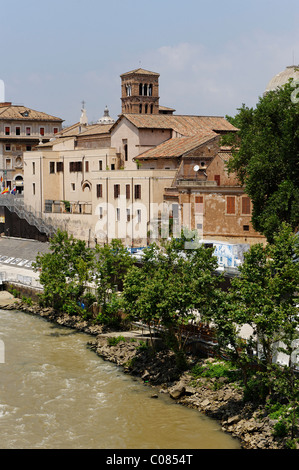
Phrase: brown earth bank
[215,398]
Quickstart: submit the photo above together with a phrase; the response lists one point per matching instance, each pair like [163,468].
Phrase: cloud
[198,78]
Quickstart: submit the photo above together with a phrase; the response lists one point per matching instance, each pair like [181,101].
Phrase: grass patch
[216,370]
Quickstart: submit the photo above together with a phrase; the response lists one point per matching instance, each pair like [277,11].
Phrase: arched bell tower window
[140,89]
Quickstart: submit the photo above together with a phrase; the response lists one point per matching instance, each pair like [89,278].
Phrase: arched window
[152,109]
[86,186]
[140,108]
[150,89]
[145,89]
[140,89]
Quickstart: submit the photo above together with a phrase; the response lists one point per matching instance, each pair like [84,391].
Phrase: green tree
[170,285]
[265,297]
[265,159]
[112,263]
[64,272]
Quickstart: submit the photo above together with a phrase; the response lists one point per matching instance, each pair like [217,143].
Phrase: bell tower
[140,92]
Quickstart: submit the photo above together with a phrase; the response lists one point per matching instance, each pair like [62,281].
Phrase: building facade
[147,175]
[21,129]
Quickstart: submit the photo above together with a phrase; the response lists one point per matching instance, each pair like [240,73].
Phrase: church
[145,176]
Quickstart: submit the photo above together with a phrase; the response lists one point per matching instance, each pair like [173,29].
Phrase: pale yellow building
[147,175]
[21,129]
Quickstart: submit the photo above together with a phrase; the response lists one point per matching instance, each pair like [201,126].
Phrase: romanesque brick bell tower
[140,92]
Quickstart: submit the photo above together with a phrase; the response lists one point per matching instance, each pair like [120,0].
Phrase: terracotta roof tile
[18,113]
[177,146]
[140,71]
[183,125]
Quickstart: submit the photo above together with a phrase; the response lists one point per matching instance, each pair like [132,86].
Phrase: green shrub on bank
[216,370]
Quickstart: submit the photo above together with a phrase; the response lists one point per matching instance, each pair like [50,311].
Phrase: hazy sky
[211,56]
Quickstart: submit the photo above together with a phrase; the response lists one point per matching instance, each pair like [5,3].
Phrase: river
[55,393]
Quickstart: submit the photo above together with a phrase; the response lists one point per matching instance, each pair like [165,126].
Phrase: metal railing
[16,204]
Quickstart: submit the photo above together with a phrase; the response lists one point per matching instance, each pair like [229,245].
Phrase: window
[245,205]
[7,148]
[175,211]
[199,204]
[100,212]
[7,130]
[112,166]
[33,168]
[28,148]
[138,216]
[100,165]
[99,190]
[87,167]
[8,163]
[125,147]
[73,186]
[116,191]
[18,131]
[246,228]
[140,108]
[137,191]
[33,189]
[230,205]
[59,167]
[117,214]
[128,191]
[28,131]
[75,166]
[52,167]
[42,131]
[217,179]
[128,215]
[55,130]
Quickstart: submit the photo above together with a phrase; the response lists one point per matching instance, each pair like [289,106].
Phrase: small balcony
[189,183]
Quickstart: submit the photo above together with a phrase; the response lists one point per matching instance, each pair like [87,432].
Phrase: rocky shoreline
[215,398]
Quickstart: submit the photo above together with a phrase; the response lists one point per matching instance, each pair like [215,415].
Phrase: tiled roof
[14,112]
[177,146]
[141,72]
[95,129]
[184,125]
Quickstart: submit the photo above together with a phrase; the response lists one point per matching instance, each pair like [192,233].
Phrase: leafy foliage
[265,159]
[169,286]
[64,272]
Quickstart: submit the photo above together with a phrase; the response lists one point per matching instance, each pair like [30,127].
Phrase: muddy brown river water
[55,393]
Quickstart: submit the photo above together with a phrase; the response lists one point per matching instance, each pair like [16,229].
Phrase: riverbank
[216,398]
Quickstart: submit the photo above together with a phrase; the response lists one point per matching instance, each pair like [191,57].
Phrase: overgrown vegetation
[174,285]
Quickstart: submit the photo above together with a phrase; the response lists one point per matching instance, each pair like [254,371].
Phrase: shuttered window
[75,166]
[99,190]
[137,191]
[116,191]
[199,204]
[230,205]
[128,191]
[245,205]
